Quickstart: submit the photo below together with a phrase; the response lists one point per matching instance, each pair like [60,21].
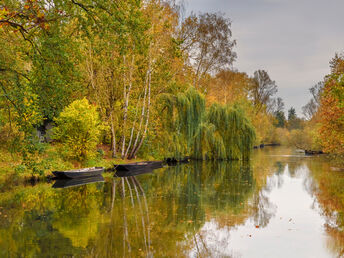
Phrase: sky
[293,40]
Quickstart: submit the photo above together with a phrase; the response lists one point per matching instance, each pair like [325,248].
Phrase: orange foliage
[228,87]
[332,115]
[30,15]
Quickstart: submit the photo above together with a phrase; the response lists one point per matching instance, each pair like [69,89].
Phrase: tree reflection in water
[189,210]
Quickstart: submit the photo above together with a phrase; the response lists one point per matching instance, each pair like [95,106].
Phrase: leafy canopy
[78,129]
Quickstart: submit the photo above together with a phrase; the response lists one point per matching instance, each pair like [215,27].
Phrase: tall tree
[279,112]
[229,86]
[279,105]
[262,89]
[311,108]
[294,122]
[219,132]
[207,40]
[332,108]
[291,114]
[280,117]
[127,75]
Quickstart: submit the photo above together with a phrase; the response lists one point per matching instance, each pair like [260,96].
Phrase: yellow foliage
[78,128]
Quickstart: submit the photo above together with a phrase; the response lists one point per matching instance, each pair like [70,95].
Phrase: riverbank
[11,164]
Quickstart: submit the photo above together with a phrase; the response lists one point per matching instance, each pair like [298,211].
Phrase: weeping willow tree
[182,114]
[219,132]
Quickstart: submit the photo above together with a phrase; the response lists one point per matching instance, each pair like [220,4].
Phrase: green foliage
[32,152]
[233,136]
[294,122]
[124,56]
[291,114]
[279,115]
[55,78]
[78,128]
[219,132]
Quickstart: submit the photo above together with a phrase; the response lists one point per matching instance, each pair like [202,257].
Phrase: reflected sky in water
[281,204]
[293,226]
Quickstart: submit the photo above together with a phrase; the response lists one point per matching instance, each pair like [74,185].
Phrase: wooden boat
[313,152]
[79,173]
[65,183]
[138,165]
[174,161]
[135,172]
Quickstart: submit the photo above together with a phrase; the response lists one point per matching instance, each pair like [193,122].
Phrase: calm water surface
[280,204]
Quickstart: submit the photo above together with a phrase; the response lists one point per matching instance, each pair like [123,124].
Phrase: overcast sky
[293,40]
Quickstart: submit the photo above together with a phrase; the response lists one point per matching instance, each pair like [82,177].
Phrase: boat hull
[139,165]
[135,172]
[78,173]
[66,183]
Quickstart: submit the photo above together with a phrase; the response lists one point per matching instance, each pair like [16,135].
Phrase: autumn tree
[294,122]
[122,56]
[262,89]
[126,76]
[207,40]
[78,129]
[332,108]
[311,108]
[229,86]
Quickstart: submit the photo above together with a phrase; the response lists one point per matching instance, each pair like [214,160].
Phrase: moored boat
[79,173]
[313,152]
[65,183]
[138,165]
[135,172]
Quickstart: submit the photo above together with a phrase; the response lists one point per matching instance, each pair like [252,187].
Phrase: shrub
[78,128]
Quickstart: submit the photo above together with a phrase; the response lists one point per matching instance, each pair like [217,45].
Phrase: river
[280,204]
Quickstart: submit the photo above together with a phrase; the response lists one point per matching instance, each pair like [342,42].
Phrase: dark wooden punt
[79,173]
[135,172]
[313,152]
[65,183]
[174,161]
[138,165]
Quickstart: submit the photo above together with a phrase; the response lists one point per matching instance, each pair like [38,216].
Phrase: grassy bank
[11,163]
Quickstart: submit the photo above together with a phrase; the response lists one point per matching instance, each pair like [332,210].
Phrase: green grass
[52,160]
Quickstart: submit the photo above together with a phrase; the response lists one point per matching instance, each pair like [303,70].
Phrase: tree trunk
[131,155]
[132,131]
[113,134]
[147,117]
[126,95]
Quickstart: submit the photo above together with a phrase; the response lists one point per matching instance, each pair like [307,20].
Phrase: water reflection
[65,183]
[266,208]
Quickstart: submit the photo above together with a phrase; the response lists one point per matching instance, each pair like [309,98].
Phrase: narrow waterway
[280,204]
